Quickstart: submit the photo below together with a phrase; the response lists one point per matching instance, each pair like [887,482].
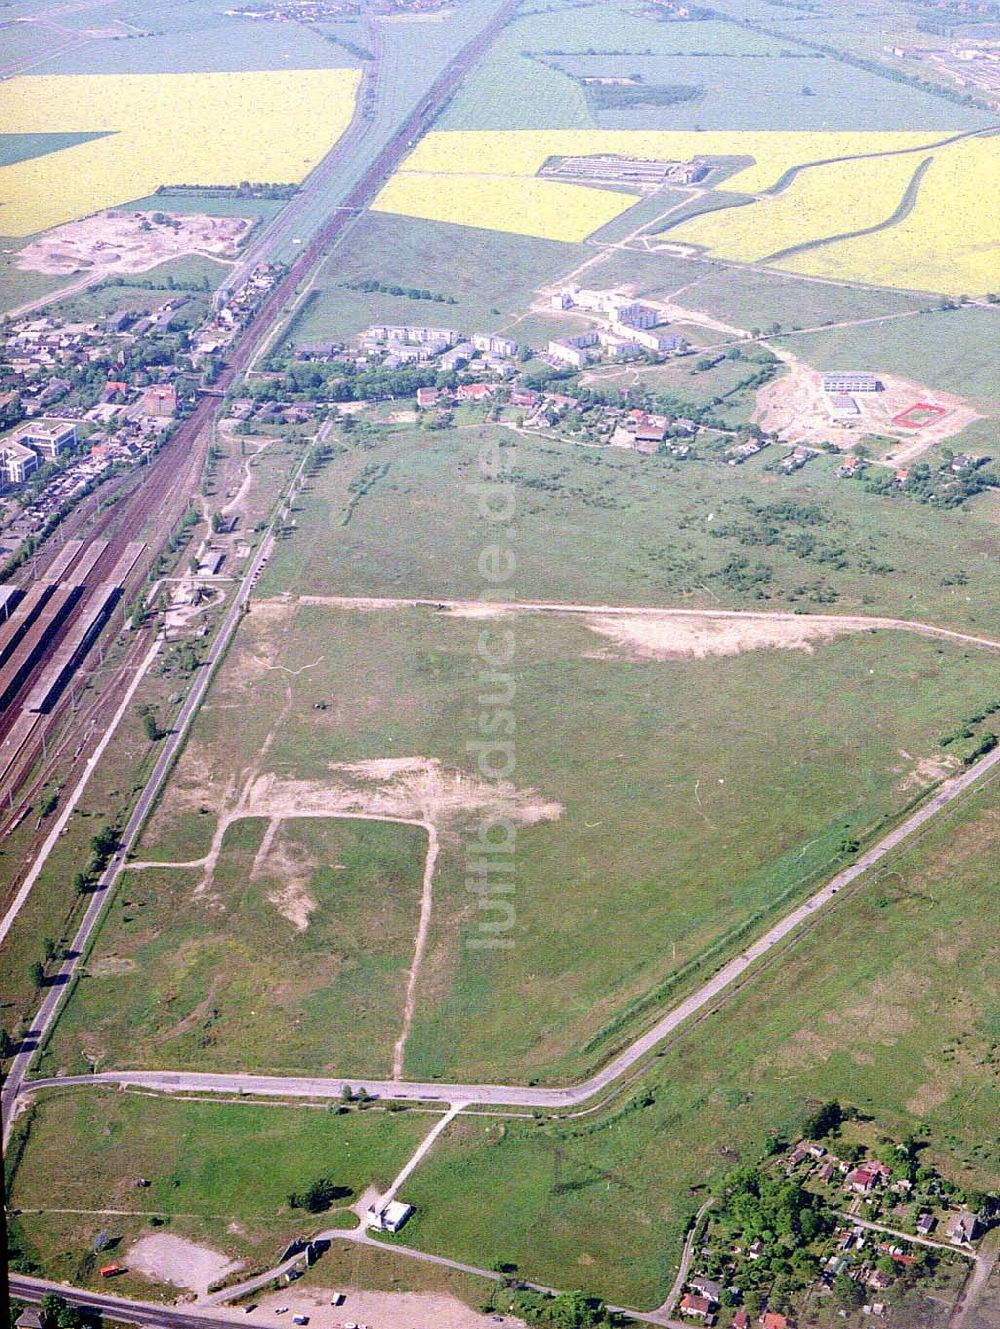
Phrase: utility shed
[391,1217]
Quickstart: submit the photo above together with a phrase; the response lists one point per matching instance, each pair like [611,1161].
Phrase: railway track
[162,495]
[75,600]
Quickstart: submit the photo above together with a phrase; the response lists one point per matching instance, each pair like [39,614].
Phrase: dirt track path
[685,1263]
[276,816]
[486,609]
[420,945]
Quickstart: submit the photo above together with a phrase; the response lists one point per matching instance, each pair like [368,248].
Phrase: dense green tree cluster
[567,1310]
[321,1195]
[769,1206]
[941,488]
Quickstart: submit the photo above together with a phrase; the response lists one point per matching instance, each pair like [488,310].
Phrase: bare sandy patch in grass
[805,1048]
[470,609]
[881,1015]
[110,966]
[928,771]
[679,637]
[929,1096]
[263,648]
[131,242]
[169,1259]
[193,787]
[291,866]
[367,602]
[408,789]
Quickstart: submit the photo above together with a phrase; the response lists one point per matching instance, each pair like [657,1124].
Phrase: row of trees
[370,285]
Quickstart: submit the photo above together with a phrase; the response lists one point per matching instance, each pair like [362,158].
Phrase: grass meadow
[198,37]
[98,301]
[885,1005]
[752,80]
[696,795]
[219,1172]
[733,405]
[297,958]
[500,274]
[492,277]
[265,208]
[684,523]
[16,286]
[749,299]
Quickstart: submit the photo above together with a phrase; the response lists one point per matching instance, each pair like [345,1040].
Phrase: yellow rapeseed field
[488,178]
[207,129]
[542,208]
[820,202]
[523,151]
[950,242]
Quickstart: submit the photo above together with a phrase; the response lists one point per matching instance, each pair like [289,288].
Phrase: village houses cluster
[872,1254]
[234,312]
[77,410]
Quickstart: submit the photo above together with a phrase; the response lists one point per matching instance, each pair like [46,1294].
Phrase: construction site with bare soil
[122,242]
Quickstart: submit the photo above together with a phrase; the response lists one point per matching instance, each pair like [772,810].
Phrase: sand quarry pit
[132,242]
[169,1259]
[694,637]
[796,408]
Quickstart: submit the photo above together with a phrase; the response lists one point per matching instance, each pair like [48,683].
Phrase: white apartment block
[493,344]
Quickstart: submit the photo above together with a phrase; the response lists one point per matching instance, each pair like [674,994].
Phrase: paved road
[727,979]
[255,1284]
[146,1313]
[686,1257]
[124,1308]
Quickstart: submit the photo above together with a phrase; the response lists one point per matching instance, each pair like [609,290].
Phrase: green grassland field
[604,526]
[749,80]
[886,1006]
[218,1171]
[949,349]
[295,956]
[501,275]
[491,277]
[682,802]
